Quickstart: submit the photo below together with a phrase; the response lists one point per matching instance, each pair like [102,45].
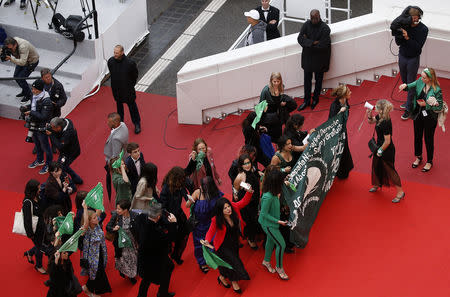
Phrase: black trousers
[165,276]
[108,180]
[318,76]
[134,112]
[424,127]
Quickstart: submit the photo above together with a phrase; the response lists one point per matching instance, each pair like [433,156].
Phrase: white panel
[234,84]
[301,9]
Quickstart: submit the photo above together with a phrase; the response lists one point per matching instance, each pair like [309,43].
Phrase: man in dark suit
[134,163]
[124,74]
[271,16]
[314,37]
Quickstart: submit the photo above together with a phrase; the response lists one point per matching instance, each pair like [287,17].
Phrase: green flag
[259,109]
[58,221]
[118,162]
[213,260]
[94,198]
[71,244]
[124,240]
[67,225]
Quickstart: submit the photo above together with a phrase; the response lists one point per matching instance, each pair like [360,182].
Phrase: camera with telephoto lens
[6,51]
[30,125]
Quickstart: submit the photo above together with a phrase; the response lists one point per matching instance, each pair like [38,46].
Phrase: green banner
[67,225]
[71,245]
[313,176]
[213,260]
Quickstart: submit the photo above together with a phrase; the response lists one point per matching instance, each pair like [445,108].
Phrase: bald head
[315,16]
[113,120]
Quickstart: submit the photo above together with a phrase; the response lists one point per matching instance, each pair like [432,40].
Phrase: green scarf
[199,159]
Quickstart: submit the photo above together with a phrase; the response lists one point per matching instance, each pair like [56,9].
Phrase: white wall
[360,48]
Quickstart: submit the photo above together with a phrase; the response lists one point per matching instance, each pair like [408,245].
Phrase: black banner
[313,175]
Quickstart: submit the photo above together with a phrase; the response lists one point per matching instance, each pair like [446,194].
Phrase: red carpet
[361,244]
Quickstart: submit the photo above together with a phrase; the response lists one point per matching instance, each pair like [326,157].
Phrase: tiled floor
[165,30]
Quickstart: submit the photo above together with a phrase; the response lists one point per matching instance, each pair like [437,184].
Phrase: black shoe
[34,151]
[9,2]
[133,280]
[314,104]
[303,106]
[137,129]
[122,275]
[414,164]
[168,294]
[239,291]
[21,94]
[29,257]
[405,115]
[25,99]
[23,5]
[403,106]
[427,169]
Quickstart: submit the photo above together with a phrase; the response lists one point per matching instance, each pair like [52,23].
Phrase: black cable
[165,131]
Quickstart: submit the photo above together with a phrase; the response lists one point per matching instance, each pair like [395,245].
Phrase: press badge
[424,112]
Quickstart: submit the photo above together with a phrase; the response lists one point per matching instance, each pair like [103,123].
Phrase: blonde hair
[276,75]
[384,108]
[90,214]
[433,79]
[340,91]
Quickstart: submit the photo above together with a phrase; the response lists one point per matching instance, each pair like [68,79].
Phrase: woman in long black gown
[383,169]
[340,104]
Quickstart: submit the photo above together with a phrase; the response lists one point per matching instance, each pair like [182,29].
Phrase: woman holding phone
[425,105]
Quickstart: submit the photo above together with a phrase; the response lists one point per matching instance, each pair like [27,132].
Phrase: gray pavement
[215,37]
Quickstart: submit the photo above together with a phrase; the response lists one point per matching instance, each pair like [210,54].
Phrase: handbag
[19,227]
[192,222]
[373,146]
[110,236]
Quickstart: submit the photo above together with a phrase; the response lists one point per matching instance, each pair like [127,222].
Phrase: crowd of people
[250,207]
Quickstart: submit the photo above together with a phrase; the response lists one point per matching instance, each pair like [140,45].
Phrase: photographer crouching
[37,116]
[22,53]
[64,136]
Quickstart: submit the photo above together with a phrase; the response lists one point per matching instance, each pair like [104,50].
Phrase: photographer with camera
[38,116]
[410,35]
[22,53]
[64,136]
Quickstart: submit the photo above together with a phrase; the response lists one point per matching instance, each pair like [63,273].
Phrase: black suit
[132,173]
[271,29]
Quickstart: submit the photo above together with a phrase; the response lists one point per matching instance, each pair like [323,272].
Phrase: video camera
[404,21]
[6,51]
[30,125]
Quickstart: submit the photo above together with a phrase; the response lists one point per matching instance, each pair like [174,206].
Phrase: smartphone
[245,185]
[66,179]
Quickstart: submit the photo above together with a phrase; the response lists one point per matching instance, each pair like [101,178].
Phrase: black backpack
[66,27]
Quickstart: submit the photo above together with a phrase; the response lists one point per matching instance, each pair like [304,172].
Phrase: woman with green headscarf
[426,105]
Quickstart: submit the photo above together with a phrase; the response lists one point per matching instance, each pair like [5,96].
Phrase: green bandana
[67,225]
[71,244]
[199,159]
[118,162]
[259,110]
[213,260]
[94,198]
[427,72]
[124,240]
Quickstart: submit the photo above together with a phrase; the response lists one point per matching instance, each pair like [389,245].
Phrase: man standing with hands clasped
[314,37]
[271,16]
[124,75]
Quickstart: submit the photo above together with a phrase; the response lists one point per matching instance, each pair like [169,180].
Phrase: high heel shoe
[29,258]
[238,291]
[222,283]
[414,164]
[427,169]
[282,274]
[373,189]
[398,198]
[40,270]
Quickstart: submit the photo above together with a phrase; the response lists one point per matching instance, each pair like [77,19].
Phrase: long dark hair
[209,188]
[241,161]
[175,179]
[150,172]
[294,120]
[249,119]
[273,181]
[31,189]
[220,218]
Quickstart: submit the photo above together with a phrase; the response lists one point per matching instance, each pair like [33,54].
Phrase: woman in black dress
[252,137]
[30,208]
[57,188]
[340,104]
[248,174]
[172,194]
[383,169]
[272,94]
[63,282]
[293,131]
